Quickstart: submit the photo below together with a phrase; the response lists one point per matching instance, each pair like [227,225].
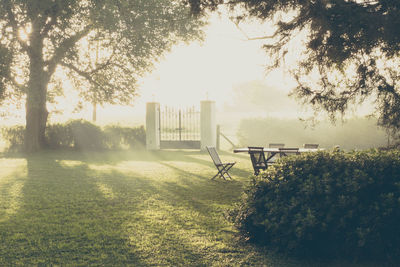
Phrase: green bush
[14,136]
[118,137]
[59,136]
[135,137]
[82,135]
[328,204]
[86,135]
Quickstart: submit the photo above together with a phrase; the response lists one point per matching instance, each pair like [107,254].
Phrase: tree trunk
[36,115]
[36,111]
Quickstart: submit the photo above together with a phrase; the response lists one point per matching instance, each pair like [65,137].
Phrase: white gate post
[152,126]
[208,126]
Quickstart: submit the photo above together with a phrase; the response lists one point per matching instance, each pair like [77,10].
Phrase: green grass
[123,208]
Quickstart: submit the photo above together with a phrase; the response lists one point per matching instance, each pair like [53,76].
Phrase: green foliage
[118,137]
[14,136]
[59,135]
[356,133]
[350,53]
[81,135]
[86,136]
[5,58]
[328,204]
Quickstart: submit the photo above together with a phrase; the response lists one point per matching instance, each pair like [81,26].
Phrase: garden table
[271,153]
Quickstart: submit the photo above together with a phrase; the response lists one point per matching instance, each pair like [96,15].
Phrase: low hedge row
[331,204]
[81,134]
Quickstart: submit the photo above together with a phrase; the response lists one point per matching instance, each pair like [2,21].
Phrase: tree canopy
[351,49]
[104,46]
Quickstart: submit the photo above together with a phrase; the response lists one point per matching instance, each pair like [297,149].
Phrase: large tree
[43,38]
[351,53]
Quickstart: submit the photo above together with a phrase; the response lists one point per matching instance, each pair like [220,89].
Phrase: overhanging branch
[63,48]
[84,74]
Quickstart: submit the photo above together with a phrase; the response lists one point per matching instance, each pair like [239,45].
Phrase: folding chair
[222,168]
[258,160]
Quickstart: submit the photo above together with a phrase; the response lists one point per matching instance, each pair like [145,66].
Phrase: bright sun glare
[24,32]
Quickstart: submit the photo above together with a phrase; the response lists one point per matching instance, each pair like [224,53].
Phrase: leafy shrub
[328,204]
[14,136]
[135,137]
[86,135]
[118,137]
[80,134]
[59,136]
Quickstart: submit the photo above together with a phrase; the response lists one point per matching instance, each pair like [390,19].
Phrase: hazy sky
[190,72]
[211,69]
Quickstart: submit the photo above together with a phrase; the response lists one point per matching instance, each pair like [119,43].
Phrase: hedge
[81,135]
[330,204]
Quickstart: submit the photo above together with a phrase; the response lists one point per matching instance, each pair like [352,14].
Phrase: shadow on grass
[91,209]
[180,220]
[115,157]
[72,214]
[62,220]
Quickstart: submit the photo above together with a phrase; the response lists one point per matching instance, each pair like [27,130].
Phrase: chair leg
[227,168]
[222,170]
[220,173]
[215,176]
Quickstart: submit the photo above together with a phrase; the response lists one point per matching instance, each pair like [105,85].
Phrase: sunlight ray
[69,163]
[143,168]
[162,222]
[14,167]
[105,190]
[12,178]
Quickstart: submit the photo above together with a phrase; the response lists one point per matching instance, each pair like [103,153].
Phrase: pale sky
[207,70]
[190,72]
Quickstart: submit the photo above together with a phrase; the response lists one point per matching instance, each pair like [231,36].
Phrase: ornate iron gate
[179,128]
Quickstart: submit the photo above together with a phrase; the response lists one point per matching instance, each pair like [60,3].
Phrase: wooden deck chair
[258,160]
[310,145]
[222,168]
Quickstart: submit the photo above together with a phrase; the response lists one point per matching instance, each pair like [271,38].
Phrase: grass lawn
[123,208]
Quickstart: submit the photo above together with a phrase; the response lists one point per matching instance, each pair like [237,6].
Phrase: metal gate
[179,128]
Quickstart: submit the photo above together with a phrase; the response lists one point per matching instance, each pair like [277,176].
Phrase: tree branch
[84,74]
[104,65]
[14,25]
[47,27]
[63,48]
